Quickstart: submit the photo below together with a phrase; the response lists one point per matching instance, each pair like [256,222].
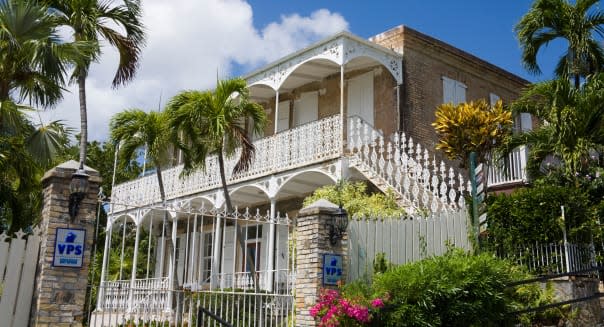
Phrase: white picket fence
[403,240]
[18,260]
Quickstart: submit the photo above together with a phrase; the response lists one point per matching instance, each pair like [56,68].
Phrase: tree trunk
[229,205]
[577,81]
[83,118]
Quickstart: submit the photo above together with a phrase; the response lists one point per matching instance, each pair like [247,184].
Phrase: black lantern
[77,191]
[337,225]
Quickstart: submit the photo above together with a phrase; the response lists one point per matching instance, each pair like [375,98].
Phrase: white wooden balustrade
[148,294]
[405,167]
[511,169]
[303,145]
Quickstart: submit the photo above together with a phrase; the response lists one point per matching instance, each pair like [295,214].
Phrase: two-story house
[342,108]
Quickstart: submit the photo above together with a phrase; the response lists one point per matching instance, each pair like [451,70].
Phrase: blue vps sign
[332,269]
[69,247]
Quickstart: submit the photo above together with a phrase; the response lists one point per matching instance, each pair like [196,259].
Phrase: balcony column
[172,264]
[523,162]
[276,111]
[134,263]
[271,247]
[100,299]
[215,270]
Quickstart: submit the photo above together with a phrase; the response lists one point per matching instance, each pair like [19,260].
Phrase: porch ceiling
[297,187]
[320,60]
[312,71]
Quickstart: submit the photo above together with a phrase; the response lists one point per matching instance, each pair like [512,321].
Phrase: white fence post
[20,256]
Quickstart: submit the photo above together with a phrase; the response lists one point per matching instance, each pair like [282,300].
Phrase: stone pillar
[59,294]
[312,241]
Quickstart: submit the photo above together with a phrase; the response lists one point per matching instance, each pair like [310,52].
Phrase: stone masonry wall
[312,241]
[59,294]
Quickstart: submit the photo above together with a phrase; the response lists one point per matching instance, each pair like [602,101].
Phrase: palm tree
[93,20]
[213,122]
[135,129]
[577,24]
[34,58]
[26,152]
[33,64]
[574,125]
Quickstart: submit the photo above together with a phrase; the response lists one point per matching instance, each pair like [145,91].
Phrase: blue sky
[189,41]
[481,27]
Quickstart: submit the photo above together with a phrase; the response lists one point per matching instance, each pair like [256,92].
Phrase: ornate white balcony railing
[513,170]
[122,295]
[303,145]
[405,167]
[283,281]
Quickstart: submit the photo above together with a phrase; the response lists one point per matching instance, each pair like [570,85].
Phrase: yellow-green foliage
[471,127]
[357,201]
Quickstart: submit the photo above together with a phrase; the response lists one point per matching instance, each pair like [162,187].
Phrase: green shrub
[533,215]
[457,289]
[357,200]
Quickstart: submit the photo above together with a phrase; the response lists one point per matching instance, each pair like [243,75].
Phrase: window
[253,235]
[453,91]
[283,116]
[493,98]
[522,122]
[306,108]
[206,257]
[360,97]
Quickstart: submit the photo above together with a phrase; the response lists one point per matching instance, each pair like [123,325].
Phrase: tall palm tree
[118,25]
[578,24]
[213,122]
[135,129]
[34,60]
[575,123]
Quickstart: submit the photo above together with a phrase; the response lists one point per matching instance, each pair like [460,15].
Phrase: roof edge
[406,30]
[342,34]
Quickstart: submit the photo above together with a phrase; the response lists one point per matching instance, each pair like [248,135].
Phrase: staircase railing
[405,167]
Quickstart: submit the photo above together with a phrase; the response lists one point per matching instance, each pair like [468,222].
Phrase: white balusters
[381,161]
[405,166]
[304,145]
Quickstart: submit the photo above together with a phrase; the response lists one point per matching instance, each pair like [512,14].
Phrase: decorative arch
[121,217]
[305,182]
[340,50]
[392,63]
[249,194]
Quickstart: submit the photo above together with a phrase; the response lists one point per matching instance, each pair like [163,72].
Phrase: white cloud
[189,42]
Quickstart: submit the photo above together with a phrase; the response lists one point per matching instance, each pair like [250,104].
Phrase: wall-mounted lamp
[337,225]
[78,187]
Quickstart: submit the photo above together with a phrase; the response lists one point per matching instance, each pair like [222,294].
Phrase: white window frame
[206,260]
[459,91]
[283,116]
[300,112]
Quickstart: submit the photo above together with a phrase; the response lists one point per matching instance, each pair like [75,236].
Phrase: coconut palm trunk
[230,209]
[83,119]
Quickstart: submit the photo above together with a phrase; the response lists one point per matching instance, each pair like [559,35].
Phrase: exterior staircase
[404,167]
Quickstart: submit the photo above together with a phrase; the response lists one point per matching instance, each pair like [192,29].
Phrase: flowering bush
[335,309]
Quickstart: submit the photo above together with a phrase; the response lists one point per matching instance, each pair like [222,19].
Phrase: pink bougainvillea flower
[377,303]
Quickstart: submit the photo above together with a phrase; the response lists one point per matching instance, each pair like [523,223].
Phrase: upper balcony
[304,145]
